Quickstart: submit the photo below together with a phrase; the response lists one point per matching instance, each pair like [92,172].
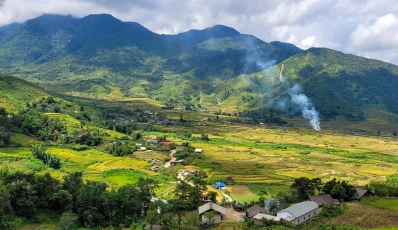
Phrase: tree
[68,221]
[305,187]
[21,188]
[5,205]
[72,183]
[90,203]
[339,189]
[6,138]
[198,179]
[63,199]
[45,186]
[275,206]
[146,187]
[179,208]
[204,137]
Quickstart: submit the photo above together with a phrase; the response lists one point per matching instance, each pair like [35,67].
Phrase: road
[172,158]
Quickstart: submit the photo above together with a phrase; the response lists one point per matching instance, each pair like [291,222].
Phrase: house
[154,227]
[229,177]
[156,168]
[142,149]
[268,202]
[219,185]
[216,134]
[220,212]
[151,141]
[361,194]
[324,199]
[254,210]
[258,219]
[173,163]
[239,206]
[300,212]
[180,148]
[165,143]
[198,151]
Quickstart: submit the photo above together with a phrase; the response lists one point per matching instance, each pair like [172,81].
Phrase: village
[269,212]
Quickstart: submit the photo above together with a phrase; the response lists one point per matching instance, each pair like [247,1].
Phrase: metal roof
[252,211]
[208,206]
[322,199]
[300,209]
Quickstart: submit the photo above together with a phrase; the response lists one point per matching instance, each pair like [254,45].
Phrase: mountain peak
[222,30]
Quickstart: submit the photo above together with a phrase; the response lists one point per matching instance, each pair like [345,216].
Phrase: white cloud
[362,27]
[381,35]
[308,42]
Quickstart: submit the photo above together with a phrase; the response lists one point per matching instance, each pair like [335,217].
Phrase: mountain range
[217,67]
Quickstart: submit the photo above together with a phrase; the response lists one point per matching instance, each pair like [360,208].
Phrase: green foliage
[305,187]
[80,147]
[340,190]
[204,137]
[119,148]
[68,221]
[39,152]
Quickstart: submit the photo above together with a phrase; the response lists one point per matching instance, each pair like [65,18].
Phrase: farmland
[262,160]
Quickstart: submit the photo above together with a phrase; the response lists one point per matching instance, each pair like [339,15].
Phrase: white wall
[301,219]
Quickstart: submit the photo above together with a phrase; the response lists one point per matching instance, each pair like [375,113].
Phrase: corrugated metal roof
[322,199]
[252,211]
[208,206]
[300,209]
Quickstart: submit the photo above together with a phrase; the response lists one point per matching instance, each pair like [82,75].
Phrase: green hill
[15,92]
[217,67]
[344,84]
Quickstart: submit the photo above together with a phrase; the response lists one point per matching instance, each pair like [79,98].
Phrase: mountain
[344,84]
[216,67]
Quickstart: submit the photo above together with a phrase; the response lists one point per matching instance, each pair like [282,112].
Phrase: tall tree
[72,183]
[305,187]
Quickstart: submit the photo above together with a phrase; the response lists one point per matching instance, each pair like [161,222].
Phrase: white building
[299,213]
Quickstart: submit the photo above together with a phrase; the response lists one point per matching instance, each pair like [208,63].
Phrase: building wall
[305,217]
[301,219]
[217,218]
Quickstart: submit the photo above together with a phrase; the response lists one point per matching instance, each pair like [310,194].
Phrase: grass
[382,203]
[362,216]
[120,177]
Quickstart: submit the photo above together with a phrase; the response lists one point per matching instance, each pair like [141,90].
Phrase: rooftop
[300,209]
[212,206]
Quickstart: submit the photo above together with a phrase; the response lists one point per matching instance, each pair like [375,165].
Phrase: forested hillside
[217,67]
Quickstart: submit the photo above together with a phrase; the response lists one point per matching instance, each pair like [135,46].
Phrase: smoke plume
[307,109]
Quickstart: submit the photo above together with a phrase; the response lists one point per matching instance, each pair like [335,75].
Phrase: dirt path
[280,73]
[227,198]
[233,216]
[172,158]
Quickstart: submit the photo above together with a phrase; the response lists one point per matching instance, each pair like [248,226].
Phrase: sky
[367,28]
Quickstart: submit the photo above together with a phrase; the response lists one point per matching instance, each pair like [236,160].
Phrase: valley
[106,124]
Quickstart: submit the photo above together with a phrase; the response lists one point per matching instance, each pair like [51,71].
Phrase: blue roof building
[219,185]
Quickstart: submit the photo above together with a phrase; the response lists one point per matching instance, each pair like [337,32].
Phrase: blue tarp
[219,184]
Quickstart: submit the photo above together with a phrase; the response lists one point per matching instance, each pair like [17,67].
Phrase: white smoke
[307,109]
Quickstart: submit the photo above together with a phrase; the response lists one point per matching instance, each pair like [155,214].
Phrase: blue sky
[366,28]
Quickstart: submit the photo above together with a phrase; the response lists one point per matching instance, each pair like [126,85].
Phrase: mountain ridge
[217,67]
